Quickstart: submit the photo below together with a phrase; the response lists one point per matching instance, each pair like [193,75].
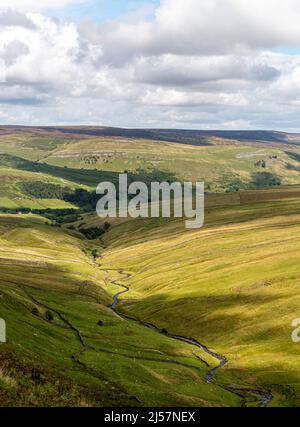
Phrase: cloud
[12,51]
[192,63]
[193,27]
[12,18]
[36,5]
[173,70]
[172,97]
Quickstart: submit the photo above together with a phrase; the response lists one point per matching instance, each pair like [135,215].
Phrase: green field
[188,298]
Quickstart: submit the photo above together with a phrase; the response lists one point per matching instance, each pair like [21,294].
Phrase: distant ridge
[194,137]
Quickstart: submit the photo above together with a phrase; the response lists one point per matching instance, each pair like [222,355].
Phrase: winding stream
[265,396]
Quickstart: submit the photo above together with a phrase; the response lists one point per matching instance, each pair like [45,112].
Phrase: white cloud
[36,5]
[173,97]
[193,27]
[205,63]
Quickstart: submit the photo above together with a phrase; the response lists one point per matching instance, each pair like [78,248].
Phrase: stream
[265,396]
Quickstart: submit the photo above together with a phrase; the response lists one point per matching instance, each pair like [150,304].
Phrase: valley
[143,312]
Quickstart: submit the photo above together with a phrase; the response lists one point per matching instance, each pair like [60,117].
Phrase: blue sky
[295,50]
[101,10]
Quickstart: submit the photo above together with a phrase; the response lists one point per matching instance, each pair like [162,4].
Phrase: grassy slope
[45,269]
[12,196]
[233,285]
[89,160]
[219,165]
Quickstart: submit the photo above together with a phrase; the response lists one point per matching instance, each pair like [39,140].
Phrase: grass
[53,271]
[34,204]
[233,285]
[221,167]
[12,196]
[224,165]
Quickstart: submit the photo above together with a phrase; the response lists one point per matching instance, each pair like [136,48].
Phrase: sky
[193,64]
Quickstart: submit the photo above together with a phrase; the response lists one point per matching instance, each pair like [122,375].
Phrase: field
[148,312]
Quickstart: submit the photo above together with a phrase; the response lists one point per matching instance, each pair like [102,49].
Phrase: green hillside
[84,156]
[232,284]
[67,347]
[139,312]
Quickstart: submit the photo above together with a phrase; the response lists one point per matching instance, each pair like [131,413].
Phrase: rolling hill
[84,156]
[144,312]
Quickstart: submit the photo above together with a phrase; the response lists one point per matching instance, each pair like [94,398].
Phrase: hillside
[186,283]
[182,136]
[232,285]
[66,346]
[138,312]
[83,157]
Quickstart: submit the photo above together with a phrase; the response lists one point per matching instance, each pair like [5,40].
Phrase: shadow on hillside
[86,177]
[200,317]
[294,156]
[155,229]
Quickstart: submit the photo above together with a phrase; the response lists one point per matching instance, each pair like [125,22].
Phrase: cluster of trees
[95,232]
[83,198]
[44,190]
[92,233]
[63,219]
[48,213]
